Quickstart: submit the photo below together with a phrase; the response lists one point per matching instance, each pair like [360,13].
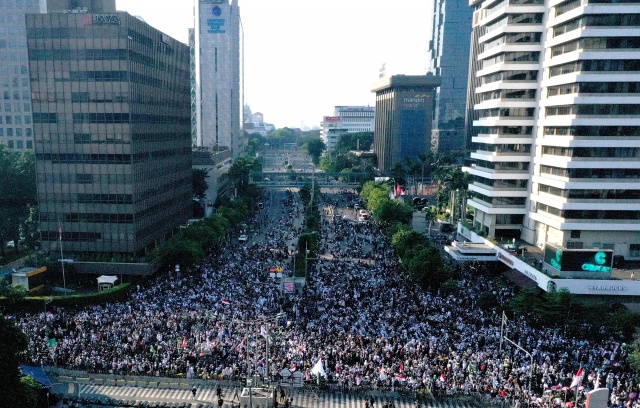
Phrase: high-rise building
[557,151]
[404,115]
[111,129]
[16,128]
[219,90]
[86,6]
[448,54]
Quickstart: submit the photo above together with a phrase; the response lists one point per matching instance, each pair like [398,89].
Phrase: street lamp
[249,370]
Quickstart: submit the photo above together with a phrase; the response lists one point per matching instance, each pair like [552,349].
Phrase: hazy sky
[303,57]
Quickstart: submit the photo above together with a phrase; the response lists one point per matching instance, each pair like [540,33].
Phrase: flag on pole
[318,369]
[184,343]
[225,301]
[443,378]
[401,368]
[578,378]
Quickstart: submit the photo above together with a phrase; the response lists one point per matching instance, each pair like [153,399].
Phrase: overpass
[296,179]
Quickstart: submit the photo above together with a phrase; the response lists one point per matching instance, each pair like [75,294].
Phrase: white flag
[318,369]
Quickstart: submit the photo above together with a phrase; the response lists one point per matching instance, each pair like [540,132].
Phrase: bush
[36,303]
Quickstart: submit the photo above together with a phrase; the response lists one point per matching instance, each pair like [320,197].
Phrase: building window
[575,234]
[634,250]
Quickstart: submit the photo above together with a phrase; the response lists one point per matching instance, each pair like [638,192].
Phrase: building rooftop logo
[216,11]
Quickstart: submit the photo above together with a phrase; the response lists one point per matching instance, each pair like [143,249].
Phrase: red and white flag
[184,343]
[401,368]
[578,378]
[225,301]
[443,377]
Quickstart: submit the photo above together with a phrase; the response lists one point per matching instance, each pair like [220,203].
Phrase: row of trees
[343,158]
[199,239]
[383,209]
[422,261]
[308,240]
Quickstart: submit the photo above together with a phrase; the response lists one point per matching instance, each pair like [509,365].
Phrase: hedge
[36,303]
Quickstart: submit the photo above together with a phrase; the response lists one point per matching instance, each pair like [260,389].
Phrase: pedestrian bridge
[297,179]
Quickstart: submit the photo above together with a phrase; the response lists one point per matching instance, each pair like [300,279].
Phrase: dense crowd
[358,314]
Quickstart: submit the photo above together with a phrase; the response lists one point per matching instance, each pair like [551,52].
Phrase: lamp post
[503,337]
[249,365]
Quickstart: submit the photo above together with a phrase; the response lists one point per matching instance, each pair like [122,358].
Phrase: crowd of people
[357,315]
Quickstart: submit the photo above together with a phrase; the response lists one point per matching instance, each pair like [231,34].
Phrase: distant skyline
[302,57]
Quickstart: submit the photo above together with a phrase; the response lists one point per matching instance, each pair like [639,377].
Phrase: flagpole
[64,279]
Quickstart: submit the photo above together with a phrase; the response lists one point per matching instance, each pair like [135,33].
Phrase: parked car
[243,238]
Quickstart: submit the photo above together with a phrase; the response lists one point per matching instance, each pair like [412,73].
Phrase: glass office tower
[16,128]
[111,113]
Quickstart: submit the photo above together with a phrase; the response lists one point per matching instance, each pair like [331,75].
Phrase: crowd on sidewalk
[364,321]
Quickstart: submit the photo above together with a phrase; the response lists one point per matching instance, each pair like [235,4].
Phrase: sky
[303,57]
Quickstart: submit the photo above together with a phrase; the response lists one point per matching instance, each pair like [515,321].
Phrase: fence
[405,393]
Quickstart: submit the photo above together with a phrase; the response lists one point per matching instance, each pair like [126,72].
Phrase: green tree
[526,301]
[13,342]
[30,391]
[239,173]
[315,148]
[425,266]
[634,354]
[328,164]
[354,141]
[18,181]
[406,238]
[199,178]
[255,144]
[487,301]
[390,211]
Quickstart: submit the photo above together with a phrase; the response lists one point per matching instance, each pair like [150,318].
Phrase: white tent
[106,282]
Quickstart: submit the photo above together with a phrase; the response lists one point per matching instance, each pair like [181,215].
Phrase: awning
[519,279]
[107,279]
[37,374]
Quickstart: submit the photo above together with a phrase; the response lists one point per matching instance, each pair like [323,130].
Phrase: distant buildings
[218,81]
[346,119]
[448,59]
[112,131]
[557,123]
[81,6]
[330,130]
[404,113]
[16,127]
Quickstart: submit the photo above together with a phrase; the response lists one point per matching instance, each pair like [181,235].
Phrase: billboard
[586,260]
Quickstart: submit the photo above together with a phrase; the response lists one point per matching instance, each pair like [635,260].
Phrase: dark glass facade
[449,47]
[111,109]
[404,116]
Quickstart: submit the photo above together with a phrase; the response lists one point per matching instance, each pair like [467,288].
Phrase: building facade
[330,130]
[16,127]
[449,46]
[86,6]
[404,117]
[219,75]
[557,151]
[112,132]
[356,118]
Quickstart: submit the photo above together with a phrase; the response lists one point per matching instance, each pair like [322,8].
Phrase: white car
[242,238]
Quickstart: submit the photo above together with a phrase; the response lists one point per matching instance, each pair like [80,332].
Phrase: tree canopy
[315,148]
[13,342]
[18,181]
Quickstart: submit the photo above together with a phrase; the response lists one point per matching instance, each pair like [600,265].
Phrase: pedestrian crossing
[207,395]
